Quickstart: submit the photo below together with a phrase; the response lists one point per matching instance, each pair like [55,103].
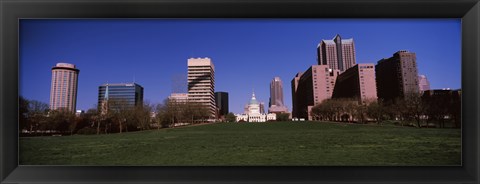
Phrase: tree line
[115,116]
[413,110]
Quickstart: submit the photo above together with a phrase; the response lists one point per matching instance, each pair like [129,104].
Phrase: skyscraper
[314,85]
[221,101]
[119,96]
[337,53]
[397,76]
[201,83]
[423,83]
[276,103]
[357,82]
[294,86]
[63,91]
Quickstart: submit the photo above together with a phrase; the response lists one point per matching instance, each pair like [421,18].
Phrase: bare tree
[414,107]
[172,112]
[143,115]
[376,110]
[61,120]
[37,115]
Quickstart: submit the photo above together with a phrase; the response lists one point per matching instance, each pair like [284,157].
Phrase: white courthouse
[252,113]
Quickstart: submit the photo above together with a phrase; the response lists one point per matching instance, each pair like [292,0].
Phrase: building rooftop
[121,84]
[328,41]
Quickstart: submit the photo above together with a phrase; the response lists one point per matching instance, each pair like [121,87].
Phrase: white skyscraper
[201,83]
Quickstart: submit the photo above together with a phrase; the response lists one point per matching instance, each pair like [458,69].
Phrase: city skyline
[247,53]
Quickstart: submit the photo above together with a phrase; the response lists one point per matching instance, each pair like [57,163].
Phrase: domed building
[252,113]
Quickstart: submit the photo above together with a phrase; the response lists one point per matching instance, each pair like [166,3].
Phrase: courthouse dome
[253,100]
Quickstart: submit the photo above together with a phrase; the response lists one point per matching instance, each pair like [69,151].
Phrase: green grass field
[239,144]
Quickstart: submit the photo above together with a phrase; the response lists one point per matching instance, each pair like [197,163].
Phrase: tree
[37,115]
[143,115]
[161,115]
[376,111]
[327,110]
[85,122]
[414,107]
[119,113]
[230,117]
[172,112]
[61,120]
[456,108]
[282,116]
[360,111]
[442,106]
[23,113]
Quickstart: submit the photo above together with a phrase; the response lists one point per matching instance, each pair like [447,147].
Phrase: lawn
[239,144]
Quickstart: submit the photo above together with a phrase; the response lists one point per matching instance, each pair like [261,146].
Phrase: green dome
[253,100]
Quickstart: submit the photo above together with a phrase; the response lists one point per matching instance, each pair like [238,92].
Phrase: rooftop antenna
[133,78]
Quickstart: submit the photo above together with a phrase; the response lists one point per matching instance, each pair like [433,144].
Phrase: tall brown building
[313,86]
[358,82]
[337,53]
[294,86]
[397,76]
[276,103]
[63,92]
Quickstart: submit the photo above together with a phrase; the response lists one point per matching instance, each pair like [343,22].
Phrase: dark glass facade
[130,95]
[221,101]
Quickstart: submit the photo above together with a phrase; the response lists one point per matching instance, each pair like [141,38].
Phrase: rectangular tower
[357,82]
[276,92]
[276,103]
[397,76]
[63,91]
[221,101]
[119,96]
[294,86]
[315,85]
[201,83]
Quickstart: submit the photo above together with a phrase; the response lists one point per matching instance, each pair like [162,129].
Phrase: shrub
[87,131]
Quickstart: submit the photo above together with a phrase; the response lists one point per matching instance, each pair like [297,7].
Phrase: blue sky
[247,53]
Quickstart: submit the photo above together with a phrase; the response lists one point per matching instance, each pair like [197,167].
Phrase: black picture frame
[12,11]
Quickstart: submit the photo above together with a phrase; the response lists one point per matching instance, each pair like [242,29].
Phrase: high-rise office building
[397,76]
[63,91]
[357,82]
[276,103]
[119,96]
[178,97]
[314,86]
[423,83]
[221,101]
[337,53]
[201,83]
[294,86]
